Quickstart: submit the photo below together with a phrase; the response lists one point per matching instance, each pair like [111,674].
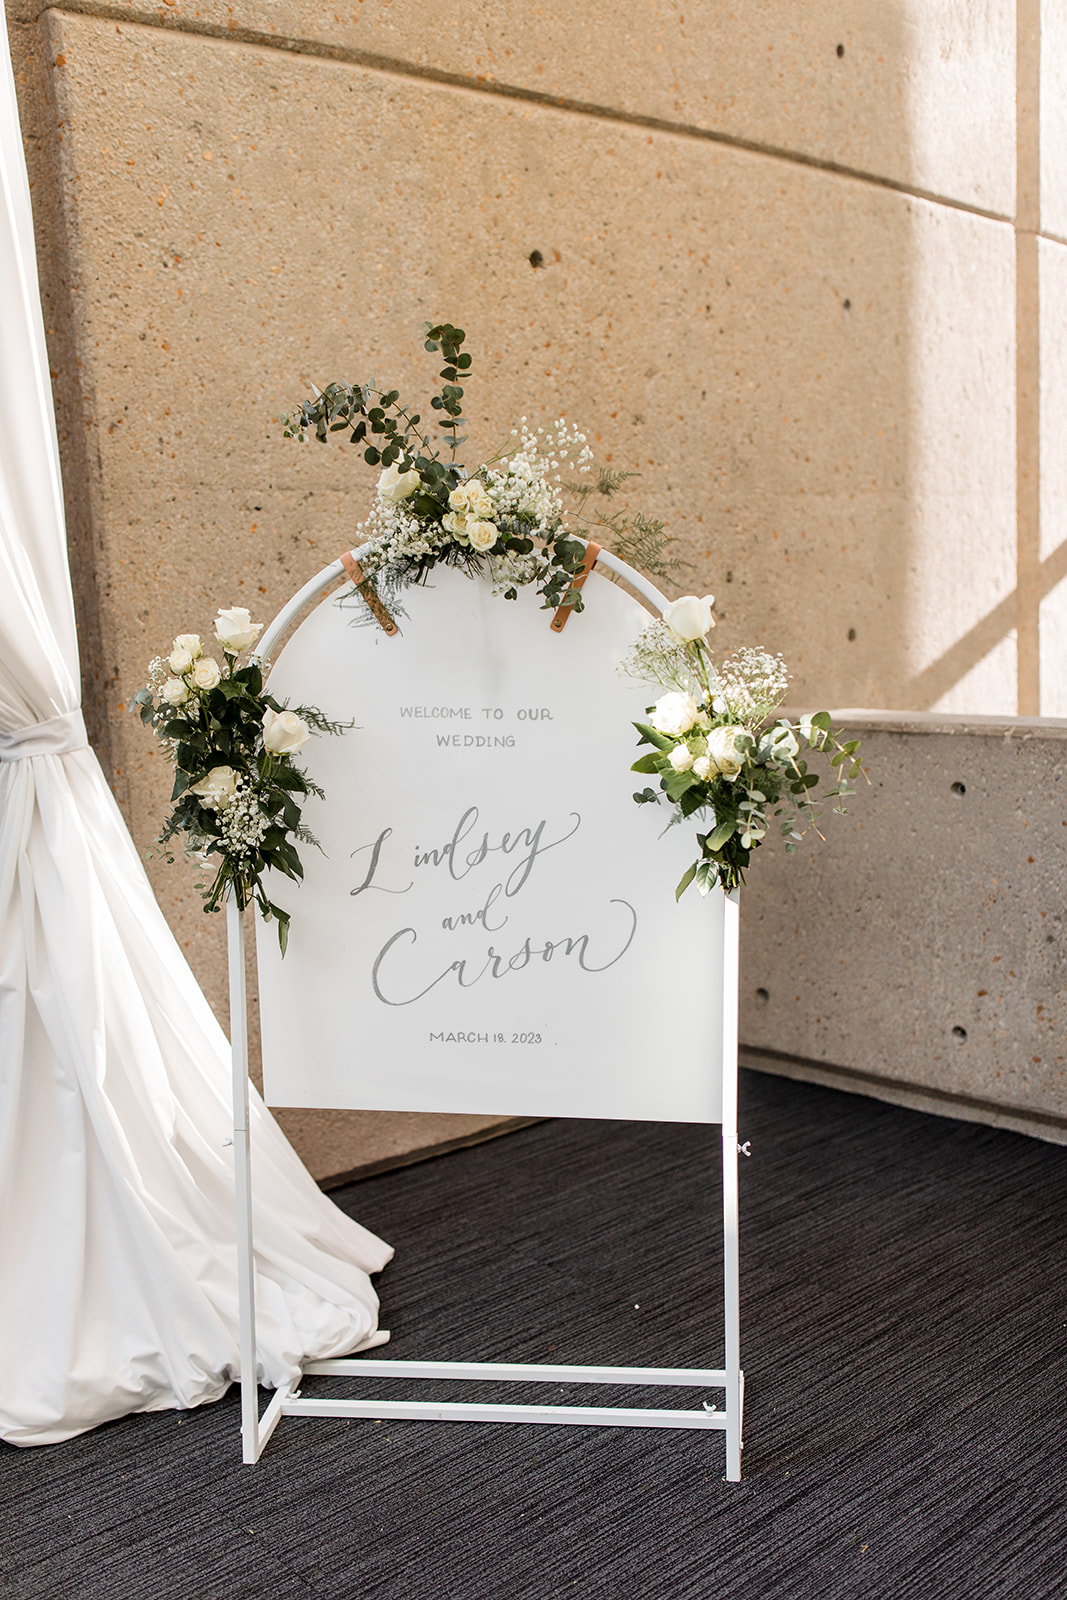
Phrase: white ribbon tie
[56,737]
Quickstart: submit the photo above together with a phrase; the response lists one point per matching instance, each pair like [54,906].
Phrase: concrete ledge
[920,953]
[916,1096]
[940,722]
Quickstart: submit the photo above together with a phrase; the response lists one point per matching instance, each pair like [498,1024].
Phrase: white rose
[674,714]
[174,692]
[206,673]
[235,630]
[681,758]
[722,749]
[217,789]
[478,502]
[690,618]
[455,523]
[179,661]
[482,535]
[396,485]
[284,732]
[704,767]
[190,642]
[459,497]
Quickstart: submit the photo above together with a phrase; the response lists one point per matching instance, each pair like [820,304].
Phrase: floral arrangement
[506,520]
[715,750]
[503,519]
[237,790]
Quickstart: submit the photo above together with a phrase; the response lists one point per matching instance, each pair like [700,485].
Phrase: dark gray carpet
[904,1319]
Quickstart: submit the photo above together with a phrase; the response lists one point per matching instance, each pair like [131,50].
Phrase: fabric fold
[118,1276]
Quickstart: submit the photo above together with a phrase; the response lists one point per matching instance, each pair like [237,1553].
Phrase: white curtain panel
[117,1236]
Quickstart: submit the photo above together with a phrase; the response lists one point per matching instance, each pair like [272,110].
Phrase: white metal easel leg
[242,1183]
[731,1258]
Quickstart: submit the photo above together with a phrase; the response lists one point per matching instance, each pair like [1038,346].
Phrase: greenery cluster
[235,802]
[716,754]
[533,543]
[638,539]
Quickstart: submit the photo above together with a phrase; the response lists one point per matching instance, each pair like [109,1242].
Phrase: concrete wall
[786,275]
[921,953]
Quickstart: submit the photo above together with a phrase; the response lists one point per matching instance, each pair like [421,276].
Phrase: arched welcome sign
[490,925]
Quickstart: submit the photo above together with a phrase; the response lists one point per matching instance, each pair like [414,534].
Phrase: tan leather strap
[592,550]
[369,592]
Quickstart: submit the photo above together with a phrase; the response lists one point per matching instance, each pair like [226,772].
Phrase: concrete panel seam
[369,62]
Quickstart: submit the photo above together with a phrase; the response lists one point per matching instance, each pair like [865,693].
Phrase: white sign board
[492,927]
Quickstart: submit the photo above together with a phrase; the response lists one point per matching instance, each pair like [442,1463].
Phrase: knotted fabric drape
[117,1236]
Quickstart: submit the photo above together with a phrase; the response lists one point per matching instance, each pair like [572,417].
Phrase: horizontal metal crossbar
[459,1411]
[511,1372]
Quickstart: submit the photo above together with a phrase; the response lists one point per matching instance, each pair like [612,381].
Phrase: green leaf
[685,880]
[282,919]
[650,736]
[677,784]
[230,689]
[287,777]
[285,855]
[647,763]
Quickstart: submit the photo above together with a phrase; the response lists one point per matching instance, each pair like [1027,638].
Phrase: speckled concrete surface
[926,942]
[815,372]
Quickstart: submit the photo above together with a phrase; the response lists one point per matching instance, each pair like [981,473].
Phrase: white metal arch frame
[288,1400]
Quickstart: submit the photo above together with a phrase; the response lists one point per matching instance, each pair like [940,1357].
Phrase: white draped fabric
[117,1236]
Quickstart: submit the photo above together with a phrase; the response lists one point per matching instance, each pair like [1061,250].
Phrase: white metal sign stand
[289,1401]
